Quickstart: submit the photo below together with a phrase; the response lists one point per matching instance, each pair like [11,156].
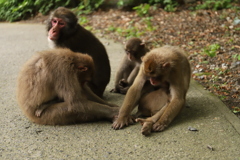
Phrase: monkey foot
[38,113]
[146,126]
[158,127]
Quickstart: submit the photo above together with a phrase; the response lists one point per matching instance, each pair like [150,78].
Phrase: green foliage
[236,57]
[215,4]
[142,9]
[170,5]
[142,6]
[211,50]
[44,7]
[129,32]
[148,22]
[236,109]
[83,20]
[13,10]
[87,6]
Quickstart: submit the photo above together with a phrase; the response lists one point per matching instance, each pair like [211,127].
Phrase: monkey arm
[93,97]
[123,71]
[128,79]
[122,74]
[147,124]
[130,101]
[133,74]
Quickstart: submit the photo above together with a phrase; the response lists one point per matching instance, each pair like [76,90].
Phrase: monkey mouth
[154,81]
[53,35]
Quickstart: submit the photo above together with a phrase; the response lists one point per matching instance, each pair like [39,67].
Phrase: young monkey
[130,64]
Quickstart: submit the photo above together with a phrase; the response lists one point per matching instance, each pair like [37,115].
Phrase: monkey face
[157,72]
[57,24]
[61,23]
[130,55]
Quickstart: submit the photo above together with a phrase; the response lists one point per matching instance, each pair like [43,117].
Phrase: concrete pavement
[20,139]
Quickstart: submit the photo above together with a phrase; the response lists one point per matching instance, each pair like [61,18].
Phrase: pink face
[130,56]
[57,24]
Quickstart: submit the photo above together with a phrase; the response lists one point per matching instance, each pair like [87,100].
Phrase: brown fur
[52,89]
[130,64]
[166,65]
[78,39]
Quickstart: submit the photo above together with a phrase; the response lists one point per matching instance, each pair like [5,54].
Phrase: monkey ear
[82,68]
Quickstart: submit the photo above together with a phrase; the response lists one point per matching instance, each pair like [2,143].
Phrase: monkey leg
[96,88]
[171,111]
[93,97]
[58,114]
[147,124]
[45,105]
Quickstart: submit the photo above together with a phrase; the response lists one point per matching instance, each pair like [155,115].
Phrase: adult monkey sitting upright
[165,66]
[65,32]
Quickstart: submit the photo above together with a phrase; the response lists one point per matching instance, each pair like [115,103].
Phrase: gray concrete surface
[21,139]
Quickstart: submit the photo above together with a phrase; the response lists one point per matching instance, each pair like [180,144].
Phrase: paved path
[21,139]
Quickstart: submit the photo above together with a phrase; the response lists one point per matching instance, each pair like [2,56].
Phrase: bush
[215,4]
[13,10]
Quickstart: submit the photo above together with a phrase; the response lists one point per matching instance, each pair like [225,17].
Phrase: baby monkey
[130,65]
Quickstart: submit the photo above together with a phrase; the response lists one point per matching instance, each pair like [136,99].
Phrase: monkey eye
[61,23]
[54,21]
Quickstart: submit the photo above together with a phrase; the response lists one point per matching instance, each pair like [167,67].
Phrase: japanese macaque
[65,32]
[53,90]
[130,64]
[169,67]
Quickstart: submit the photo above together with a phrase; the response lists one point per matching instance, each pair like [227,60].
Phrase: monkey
[130,64]
[65,32]
[53,89]
[147,105]
[167,65]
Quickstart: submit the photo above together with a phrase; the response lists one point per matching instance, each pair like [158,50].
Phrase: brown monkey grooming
[52,89]
[167,65]
[130,64]
[65,32]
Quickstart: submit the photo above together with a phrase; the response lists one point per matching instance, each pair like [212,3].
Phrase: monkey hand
[160,126]
[146,126]
[120,122]
[123,83]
